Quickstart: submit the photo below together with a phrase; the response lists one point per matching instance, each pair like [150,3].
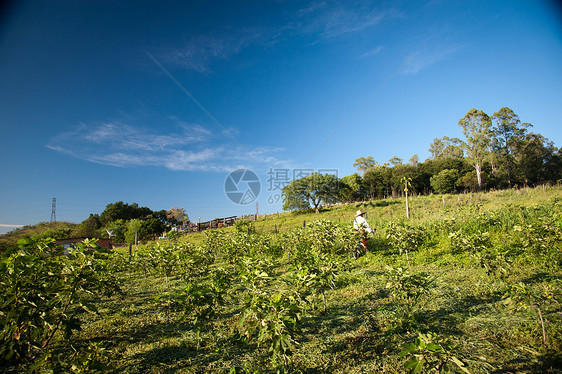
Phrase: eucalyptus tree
[446,147]
[477,128]
[508,132]
[364,164]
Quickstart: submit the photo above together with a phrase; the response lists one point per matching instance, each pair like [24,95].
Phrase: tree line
[129,223]
[496,152]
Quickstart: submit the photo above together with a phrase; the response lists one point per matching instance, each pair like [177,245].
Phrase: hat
[359,213]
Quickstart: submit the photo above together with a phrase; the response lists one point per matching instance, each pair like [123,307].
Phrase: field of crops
[467,284]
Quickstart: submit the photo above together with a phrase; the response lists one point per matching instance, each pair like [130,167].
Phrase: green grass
[422,208]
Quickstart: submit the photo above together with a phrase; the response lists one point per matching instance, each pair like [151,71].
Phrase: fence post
[276,228]
[303,224]
[130,251]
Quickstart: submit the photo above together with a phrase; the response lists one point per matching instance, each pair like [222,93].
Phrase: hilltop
[56,230]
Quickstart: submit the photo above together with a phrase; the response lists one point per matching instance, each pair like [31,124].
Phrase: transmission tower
[54,210]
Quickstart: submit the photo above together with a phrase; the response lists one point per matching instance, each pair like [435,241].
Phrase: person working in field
[360,225]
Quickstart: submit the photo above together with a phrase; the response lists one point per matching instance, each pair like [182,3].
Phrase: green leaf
[414,366]
[407,348]
[411,363]
[434,347]
[460,364]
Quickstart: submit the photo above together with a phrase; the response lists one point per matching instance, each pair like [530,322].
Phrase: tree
[315,189]
[162,216]
[117,229]
[395,161]
[469,181]
[177,216]
[446,148]
[537,159]
[399,172]
[121,210]
[150,227]
[364,164]
[351,188]
[414,160]
[89,228]
[508,132]
[476,127]
[445,181]
[373,183]
[133,228]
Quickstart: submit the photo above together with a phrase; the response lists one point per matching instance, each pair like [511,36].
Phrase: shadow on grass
[170,359]
[382,246]
[177,357]
[377,204]
[549,363]
[541,277]
[445,320]
[143,333]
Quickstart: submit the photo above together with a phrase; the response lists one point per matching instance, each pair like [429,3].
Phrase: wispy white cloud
[9,225]
[427,56]
[200,51]
[320,20]
[191,148]
[372,52]
[329,19]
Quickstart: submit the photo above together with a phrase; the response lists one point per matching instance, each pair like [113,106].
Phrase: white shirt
[361,223]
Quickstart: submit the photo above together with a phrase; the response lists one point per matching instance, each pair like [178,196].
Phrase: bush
[43,291]
[445,181]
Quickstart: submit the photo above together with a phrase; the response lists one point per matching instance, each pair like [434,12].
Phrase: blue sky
[156,102]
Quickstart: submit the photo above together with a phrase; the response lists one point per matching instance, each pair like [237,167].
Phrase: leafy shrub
[410,291]
[473,243]
[430,353]
[272,319]
[405,237]
[44,289]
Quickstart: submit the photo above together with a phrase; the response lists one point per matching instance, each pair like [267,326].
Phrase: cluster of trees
[130,223]
[497,152]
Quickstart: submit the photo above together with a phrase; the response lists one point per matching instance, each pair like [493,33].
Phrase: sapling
[430,352]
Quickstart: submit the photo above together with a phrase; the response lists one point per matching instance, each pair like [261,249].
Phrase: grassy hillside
[422,209]
[468,284]
[42,229]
